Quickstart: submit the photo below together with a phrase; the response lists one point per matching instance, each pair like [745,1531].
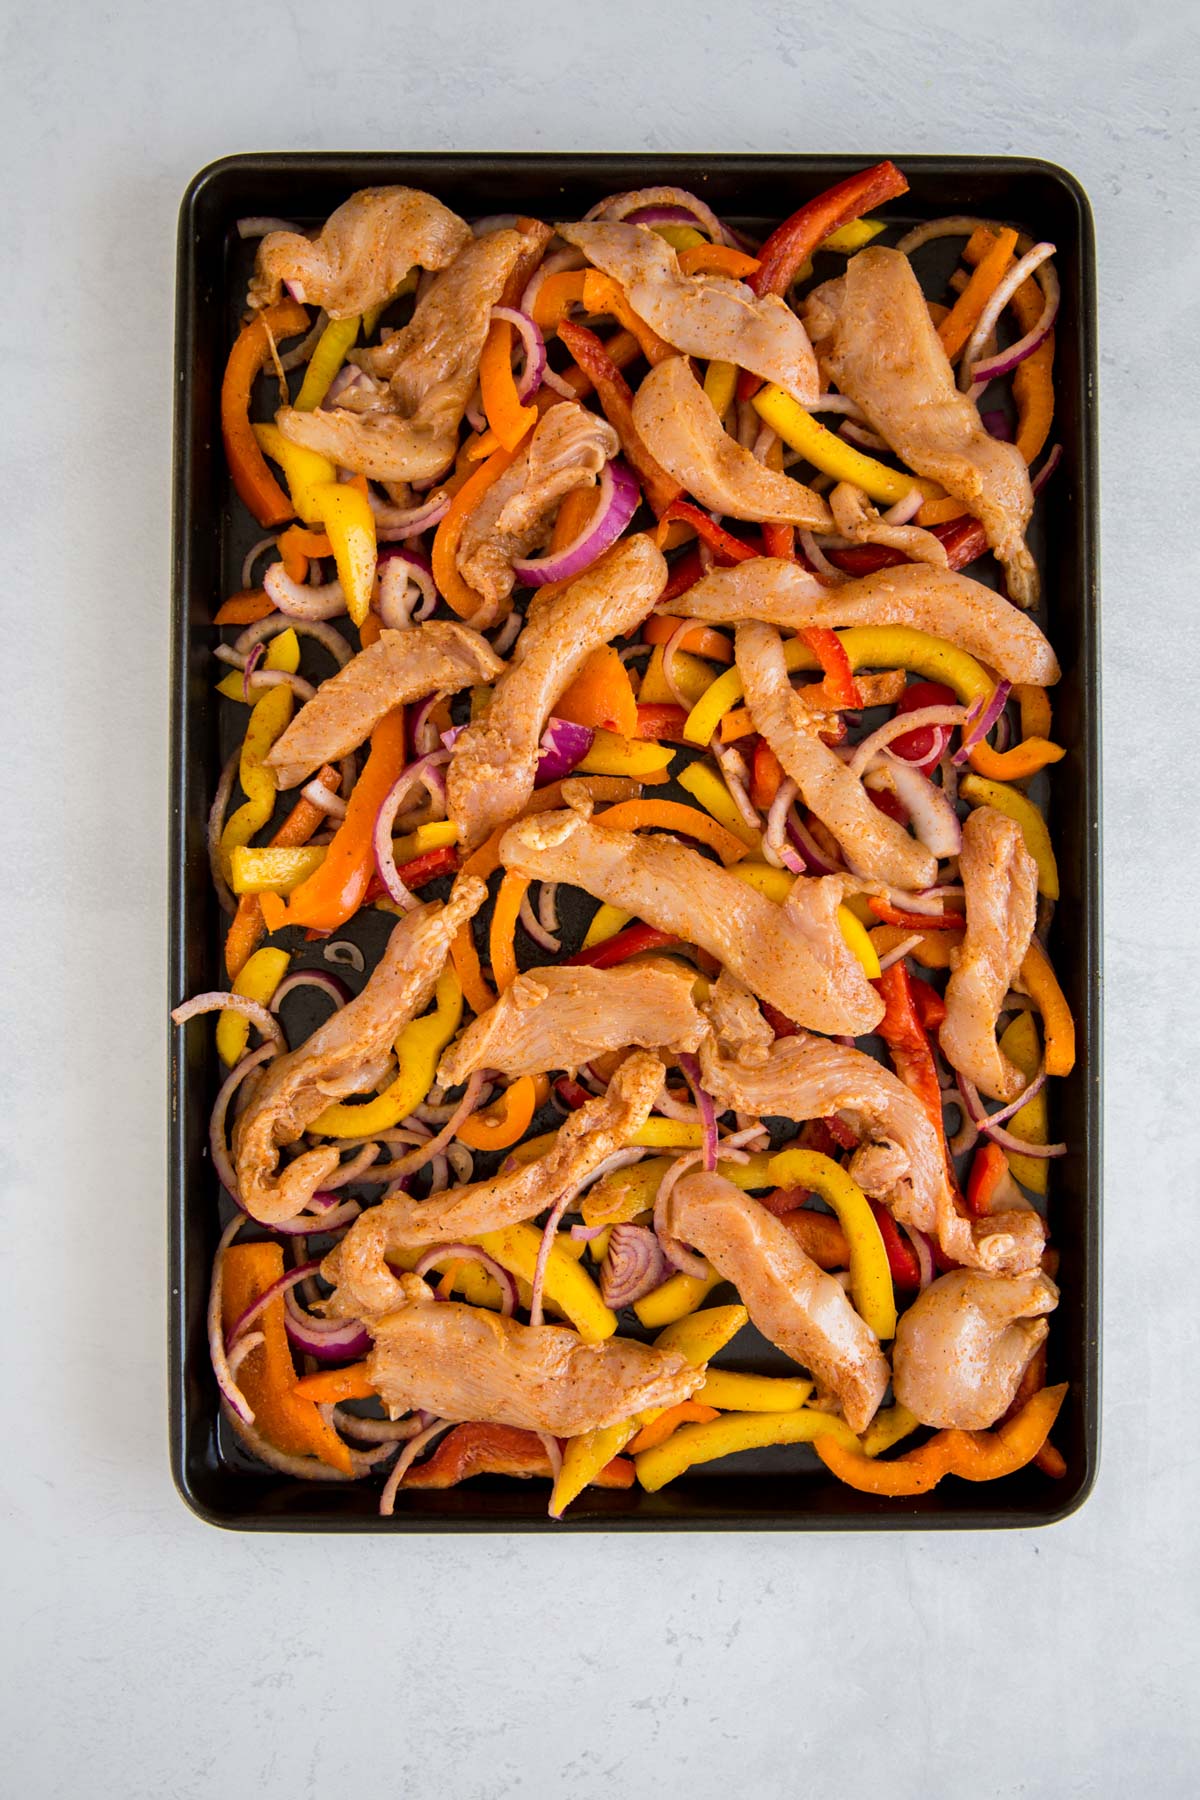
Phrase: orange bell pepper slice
[766,776]
[328,1386]
[659,1430]
[503,928]
[601,695]
[248,926]
[670,815]
[1017,764]
[700,641]
[971,1455]
[267,1375]
[1058,1025]
[555,298]
[244,608]
[450,584]
[933,950]
[506,1121]
[1033,384]
[717,259]
[253,480]
[967,310]
[506,415]
[336,890]
[601,294]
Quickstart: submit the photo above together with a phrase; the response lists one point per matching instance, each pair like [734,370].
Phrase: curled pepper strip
[255,484]
[508,418]
[670,815]
[257,979]
[583,1459]
[268,721]
[830,453]
[335,341]
[903,1032]
[870,1277]
[505,1122]
[971,1455]
[601,294]
[567,1287]
[502,947]
[1058,1026]
[417,1050]
[350,529]
[659,1429]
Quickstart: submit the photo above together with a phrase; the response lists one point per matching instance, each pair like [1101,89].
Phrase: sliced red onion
[321,979]
[530,378]
[557,263]
[493,222]
[587,1234]
[921,1251]
[462,1161]
[504,639]
[898,726]
[548,905]
[321,633]
[954,225]
[564,745]
[838,403]
[684,1111]
[304,1225]
[217,1143]
[735,775]
[549,1231]
[991,1123]
[619,496]
[978,374]
[251,663]
[820,563]
[997,424]
[431,1150]
[505,1280]
[329,1340]
[269,678]
[216,825]
[222,1001]
[374,1431]
[1047,469]
[705,1105]
[905,510]
[983,723]
[324,799]
[815,860]
[252,555]
[299,600]
[677,1254]
[230,1392]
[621,206]
[387,1499]
[395,522]
[344,952]
[427,770]
[935,821]
[423,732]
[399,572]
[634,1265]
[861,435]
[902,949]
[545,940]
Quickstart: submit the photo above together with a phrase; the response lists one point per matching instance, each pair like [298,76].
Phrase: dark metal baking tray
[783,1489]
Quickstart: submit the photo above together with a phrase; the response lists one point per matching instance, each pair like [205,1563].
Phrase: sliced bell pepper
[244,608]
[283,652]
[706,786]
[501,937]
[469,1280]
[971,1455]
[661,719]
[828,452]
[720,384]
[257,979]
[791,244]
[350,527]
[967,310]
[337,889]
[601,294]
[1034,702]
[1058,1026]
[671,815]
[461,598]
[503,1123]
[718,259]
[858,939]
[272,871]
[733,549]
[255,485]
[601,695]
[659,1429]
[614,755]
[555,298]
[779,541]
[499,1450]
[690,676]
[1019,1042]
[776,884]
[1018,806]
[328,1386]
[1017,764]
[989,1170]
[618,949]
[818,1234]
[731,1433]
[268,721]
[830,652]
[507,416]
[870,1277]
[1033,386]
[605,923]
[570,1288]
[929,1006]
[923,922]
[908,1047]
[964,541]
[902,1258]
[583,1459]
[417,1050]
[248,926]
[700,640]
[767,776]
[335,341]
[678,1296]
[699,1337]
[616,398]
[266,1375]
[303,470]
[729,1391]
[932,952]
[686,571]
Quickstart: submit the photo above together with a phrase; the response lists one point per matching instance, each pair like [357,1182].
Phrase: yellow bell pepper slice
[471,1280]
[857,939]
[336,339]
[720,384]
[350,527]
[613,755]
[283,652]
[268,721]
[439,834]
[569,1287]
[870,1277]
[888,1428]
[706,786]
[692,675]
[698,1337]
[829,453]
[1058,1026]
[606,923]
[668,1134]
[583,1459]
[854,236]
[692,1444]
[272,870]
[867,646]
[1019,1042]
[618,1198]
[678,1296]
[680,237]
[417,1050]
[730,1391]
[776,884]
[303,470]
[257,979]
[1016,805]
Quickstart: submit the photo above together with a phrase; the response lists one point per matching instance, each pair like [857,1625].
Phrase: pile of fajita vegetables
[526,431]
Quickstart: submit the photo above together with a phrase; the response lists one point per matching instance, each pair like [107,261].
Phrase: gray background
[147,1655]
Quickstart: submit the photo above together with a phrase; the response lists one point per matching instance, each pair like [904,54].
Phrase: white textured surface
[150,1656]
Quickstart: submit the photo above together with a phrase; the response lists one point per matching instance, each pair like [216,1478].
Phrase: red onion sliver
[530,378]
[978,374]
[983,723]
[221,1001]
[387,1500]
[230,1392]
[634,1265]
[897,726]
[619,496]
[504,1278]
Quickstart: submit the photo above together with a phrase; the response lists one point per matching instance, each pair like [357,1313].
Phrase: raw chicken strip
[792,955]
[964,1344]
[877,846]
[999,877]
[559,1017]
[855,518]
[568,450]
[494,764]
[401,666]
[461,1362]
[938,601]
[431,365]
[876,341]
[680,428]
[362,253]
[358,1266]
[806,1077]
[346,1055]
[803,1311]
[702,315]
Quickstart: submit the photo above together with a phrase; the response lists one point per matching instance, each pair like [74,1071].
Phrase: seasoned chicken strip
[460,1362]
[938,601]
[999,877]
[874,844]
[401,666]
[346,1055]
[362,254]
[855,518]
[803,1311]
[964,1344]
[792,955]
[559,1017]
[680,428]
[874,337]
[431,365]
[606,1123]
[806,1077]
[702,315]
[494,764]
[568,450]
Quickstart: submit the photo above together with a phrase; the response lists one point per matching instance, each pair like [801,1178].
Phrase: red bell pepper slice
[766,776]
[779,540]
[570,1093]
[630,942]
[891,915]
[722,541]
[964,539]
[890,804]
[791,244]
[902,1258]
[830,652]
[662,721]
[479,1449]
[912,1058]
[426,867]
[616,397]
[931,1008]
[779,1022]
[988,1169]
[686,571]
[916,745]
